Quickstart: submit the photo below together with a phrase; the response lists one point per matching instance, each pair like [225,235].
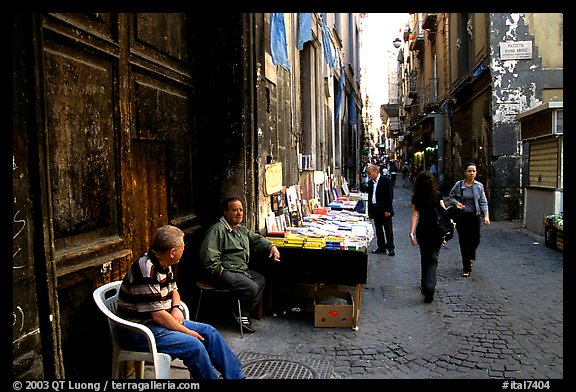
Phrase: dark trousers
[468,229]
[384,233]
[246,289]
[429,253]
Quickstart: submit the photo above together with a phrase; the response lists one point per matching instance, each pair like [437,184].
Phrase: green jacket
[229,249]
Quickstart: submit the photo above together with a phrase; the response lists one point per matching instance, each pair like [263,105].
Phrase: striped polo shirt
[147,287]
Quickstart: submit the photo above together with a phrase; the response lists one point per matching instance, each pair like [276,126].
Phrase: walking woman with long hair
[423,230]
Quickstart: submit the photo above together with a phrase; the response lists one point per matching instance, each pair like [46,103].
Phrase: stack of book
[278,241]
[334,242]
[293,240]
[351,244]
[333,245]
[335,230]
[315,242]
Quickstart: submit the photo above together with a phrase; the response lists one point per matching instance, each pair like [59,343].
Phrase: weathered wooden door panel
[162,101]
[93,27]
[161,42]
[118,147]
[85,198]
[162,113]
[82,146]
[149,186]
[162,110]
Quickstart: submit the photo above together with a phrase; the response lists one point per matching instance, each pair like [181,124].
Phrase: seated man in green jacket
[226,252]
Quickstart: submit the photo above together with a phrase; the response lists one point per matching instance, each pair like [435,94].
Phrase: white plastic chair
[106,298]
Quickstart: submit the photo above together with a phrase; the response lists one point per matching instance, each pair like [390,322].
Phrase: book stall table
[330,267]
[352,202]
[330,248]
[554,231]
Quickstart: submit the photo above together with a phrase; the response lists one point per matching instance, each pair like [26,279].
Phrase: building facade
[465,77]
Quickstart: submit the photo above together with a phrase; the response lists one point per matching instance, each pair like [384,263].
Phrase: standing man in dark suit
[380,198]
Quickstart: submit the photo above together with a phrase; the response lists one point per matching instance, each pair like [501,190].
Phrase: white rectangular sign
[516,50]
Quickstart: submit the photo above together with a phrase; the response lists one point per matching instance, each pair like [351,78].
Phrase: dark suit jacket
[384,198]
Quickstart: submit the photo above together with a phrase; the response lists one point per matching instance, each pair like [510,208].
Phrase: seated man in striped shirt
[149,295]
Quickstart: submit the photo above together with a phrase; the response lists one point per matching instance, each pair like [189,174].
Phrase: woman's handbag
[445,224]
[454,213]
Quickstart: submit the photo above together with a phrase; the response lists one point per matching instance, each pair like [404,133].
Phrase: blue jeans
[200,357]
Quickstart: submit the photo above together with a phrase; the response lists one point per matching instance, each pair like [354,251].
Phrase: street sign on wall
[516,50]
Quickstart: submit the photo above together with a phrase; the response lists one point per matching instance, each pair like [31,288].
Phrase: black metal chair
[203,286]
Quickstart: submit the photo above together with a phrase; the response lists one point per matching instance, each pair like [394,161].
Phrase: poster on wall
[319,177]
[273,178]
[345,189]
[294,206]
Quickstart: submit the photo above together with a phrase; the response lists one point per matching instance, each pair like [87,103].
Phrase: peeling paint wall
[278,111]
[519,84]
[513,90]
[295,108]
[513,81]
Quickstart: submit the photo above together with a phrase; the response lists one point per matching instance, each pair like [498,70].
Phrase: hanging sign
[318,177]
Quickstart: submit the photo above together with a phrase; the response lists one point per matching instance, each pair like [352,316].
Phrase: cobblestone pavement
[503,322]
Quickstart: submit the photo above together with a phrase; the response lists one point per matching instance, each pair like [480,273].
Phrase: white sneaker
[244,322]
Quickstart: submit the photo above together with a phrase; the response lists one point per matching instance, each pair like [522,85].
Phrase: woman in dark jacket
[423,230]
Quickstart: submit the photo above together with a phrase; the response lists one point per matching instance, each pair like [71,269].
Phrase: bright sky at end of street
[380,29]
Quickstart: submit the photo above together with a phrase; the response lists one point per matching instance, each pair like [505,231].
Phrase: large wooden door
[118,154]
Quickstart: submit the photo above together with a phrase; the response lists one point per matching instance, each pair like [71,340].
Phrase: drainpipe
[250,139]
[439,135]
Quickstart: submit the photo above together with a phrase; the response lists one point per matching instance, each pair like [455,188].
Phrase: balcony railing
[430,22]
[394,123]
[430,94]
[416,38]
[412,85]
[417,43]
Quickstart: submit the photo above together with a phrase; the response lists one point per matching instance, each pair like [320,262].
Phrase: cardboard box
[333,315]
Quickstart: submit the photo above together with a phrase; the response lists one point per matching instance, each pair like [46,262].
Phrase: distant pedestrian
[393,172]
[469,197]
[425,199]
[413,173]
[365,179]
[405,174]
[433,170]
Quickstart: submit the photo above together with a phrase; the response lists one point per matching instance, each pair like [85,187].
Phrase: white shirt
[374,189]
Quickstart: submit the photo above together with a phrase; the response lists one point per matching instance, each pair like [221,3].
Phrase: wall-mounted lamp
[397,42]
